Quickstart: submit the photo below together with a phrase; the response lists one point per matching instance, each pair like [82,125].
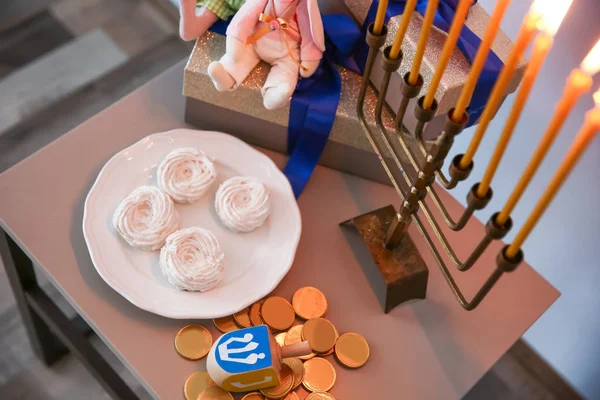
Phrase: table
[428,349]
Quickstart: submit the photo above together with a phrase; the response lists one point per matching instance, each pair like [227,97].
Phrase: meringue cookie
[146,217]
[192,260]
[186,174]
[242,203]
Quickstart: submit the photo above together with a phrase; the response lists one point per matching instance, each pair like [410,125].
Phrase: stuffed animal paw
[194,23]
[309,68]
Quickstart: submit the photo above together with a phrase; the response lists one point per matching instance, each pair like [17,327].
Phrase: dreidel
[249,359]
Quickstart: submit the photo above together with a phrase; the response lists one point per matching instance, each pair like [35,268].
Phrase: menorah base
[396,275]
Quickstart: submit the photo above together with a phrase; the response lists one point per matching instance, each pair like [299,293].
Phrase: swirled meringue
[192,260]
[242,203]
[146,217]
[186,174]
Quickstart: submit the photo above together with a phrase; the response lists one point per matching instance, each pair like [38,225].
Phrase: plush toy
[288,34]
[197,16]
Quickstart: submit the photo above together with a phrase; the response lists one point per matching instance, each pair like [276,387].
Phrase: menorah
[385,230]
[401,271]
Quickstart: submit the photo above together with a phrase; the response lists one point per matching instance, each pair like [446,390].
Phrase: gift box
[456,73]
[241,113]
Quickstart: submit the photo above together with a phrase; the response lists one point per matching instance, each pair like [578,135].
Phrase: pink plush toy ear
[308,13]
[316,24]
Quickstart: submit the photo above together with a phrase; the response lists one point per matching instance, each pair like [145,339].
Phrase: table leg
[50,332]
[21,277]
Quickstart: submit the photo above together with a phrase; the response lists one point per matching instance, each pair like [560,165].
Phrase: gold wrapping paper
[247,99]
[458,69]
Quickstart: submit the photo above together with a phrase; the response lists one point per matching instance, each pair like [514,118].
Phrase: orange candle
[409,8]
[548,25]
[423,39]
[457,23]
[480,58]
[528,31]
[541,47]
[544,15]
[380,17]
[582,141]
[578,83]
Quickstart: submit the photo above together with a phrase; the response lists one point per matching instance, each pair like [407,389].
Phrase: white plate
[255,262]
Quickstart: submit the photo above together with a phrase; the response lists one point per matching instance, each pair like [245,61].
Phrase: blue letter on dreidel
[243,360]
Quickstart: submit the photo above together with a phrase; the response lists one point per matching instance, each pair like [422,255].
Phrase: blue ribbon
[220,27]
[468,43]
[314,103]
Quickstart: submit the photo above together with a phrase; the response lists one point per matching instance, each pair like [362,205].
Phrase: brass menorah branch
[385,230]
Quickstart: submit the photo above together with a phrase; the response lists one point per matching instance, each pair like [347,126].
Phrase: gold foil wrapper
[320,333]
[253,396]
[319,375]
[196,384]
[278,314]
[352,350]
[242,318]
[298,368]
[215,393]
[285,386]
[309,302]
[193,342]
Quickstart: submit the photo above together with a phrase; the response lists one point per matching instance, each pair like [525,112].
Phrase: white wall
[565,246]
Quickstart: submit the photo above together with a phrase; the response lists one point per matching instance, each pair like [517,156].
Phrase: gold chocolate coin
[280,338]
[298,368]
[193,342]
[308,356]
[196,384]
[320,333]
[327,353]
[294,335]
[286,382]
[319,396]
[330,352]
[225,324]
[253,396]
[242,318]
[319,375]
[254,314]
[215,393]
[278,313]
[309,302]
[291,396]
[352,350]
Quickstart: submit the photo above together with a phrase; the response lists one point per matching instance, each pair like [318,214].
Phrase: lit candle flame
[551,14]
[591,64]
[597,98]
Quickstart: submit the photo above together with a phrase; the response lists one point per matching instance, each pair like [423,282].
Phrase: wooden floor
[61,62]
